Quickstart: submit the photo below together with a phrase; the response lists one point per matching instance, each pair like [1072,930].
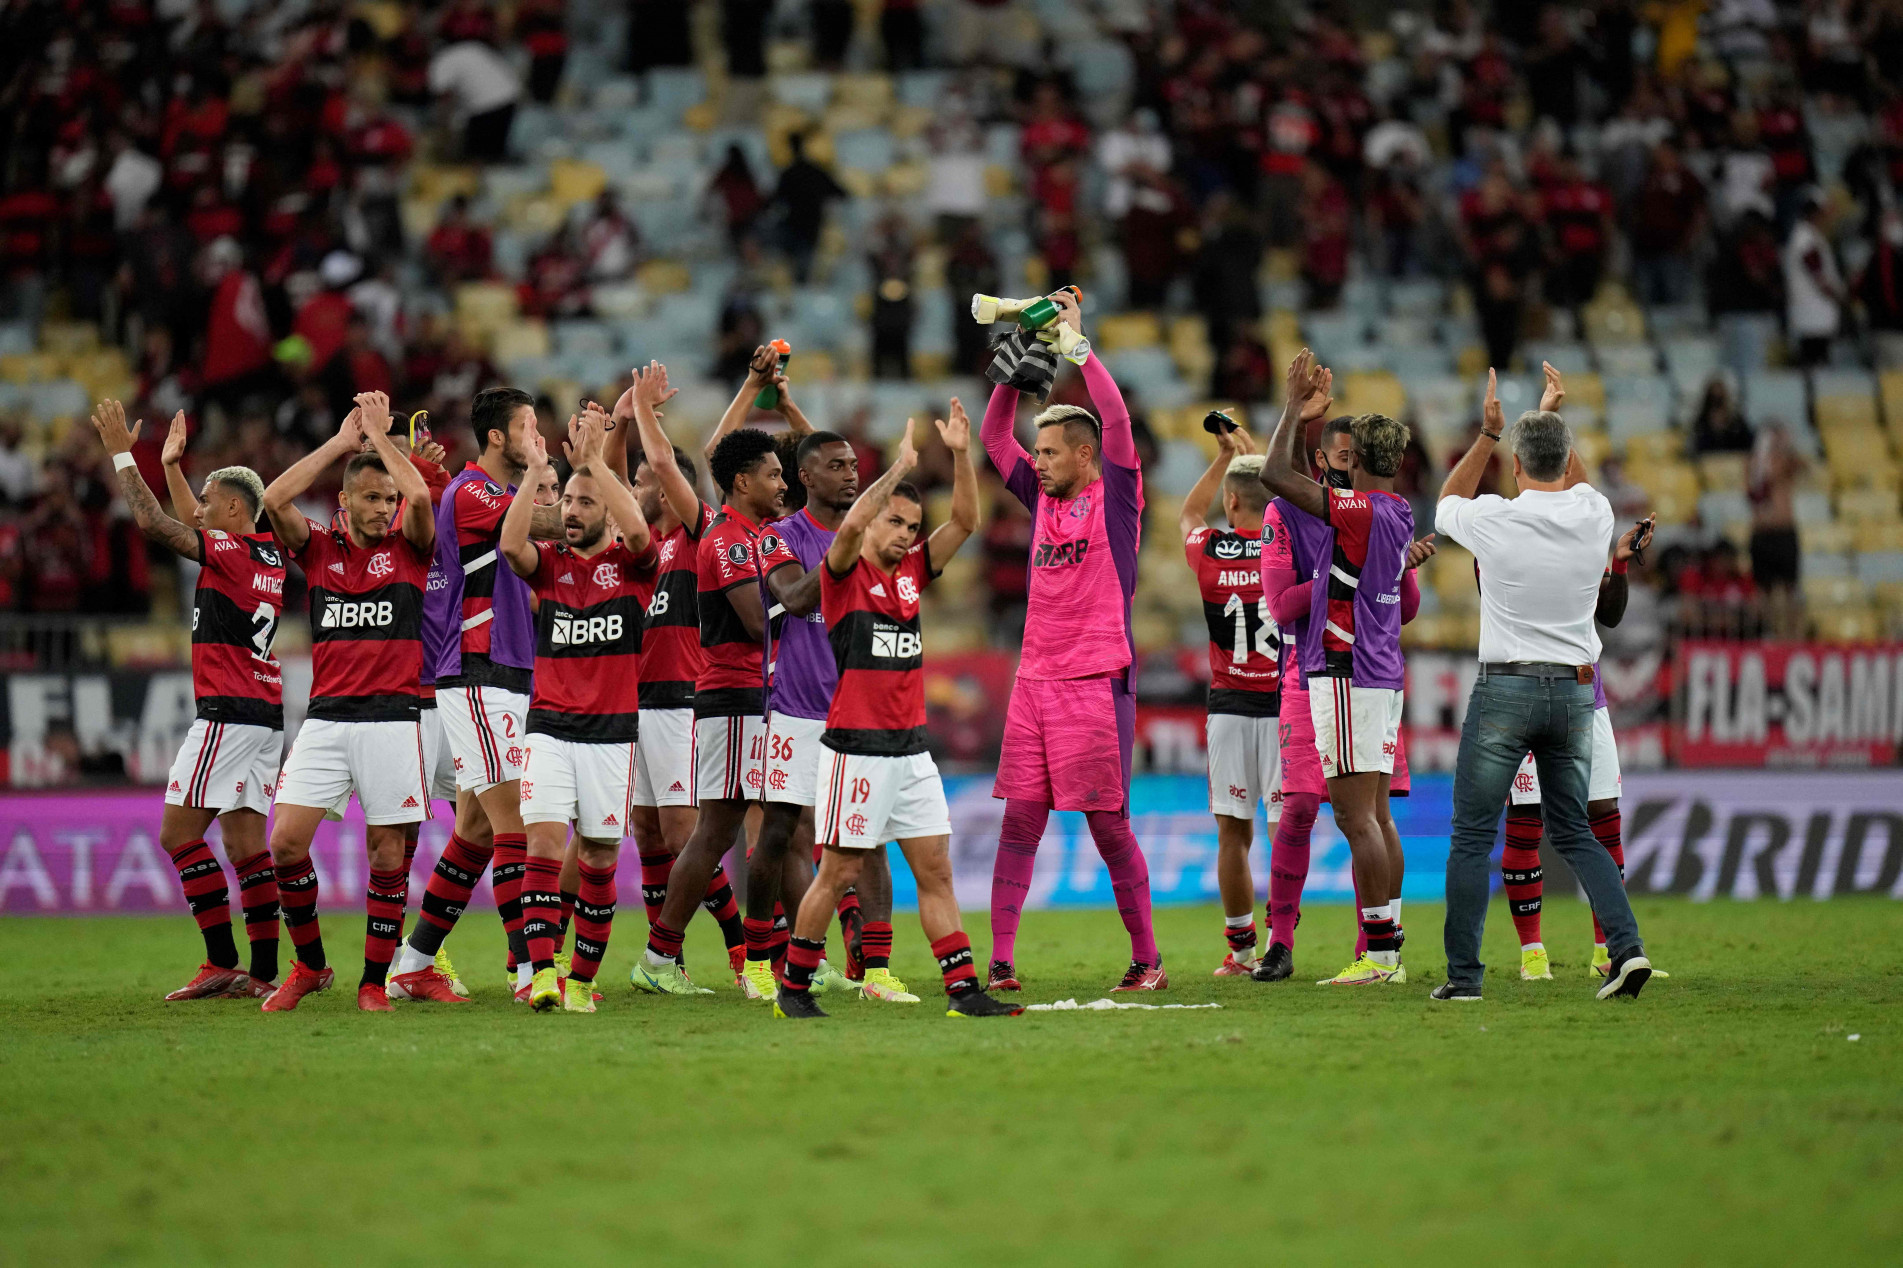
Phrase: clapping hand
[957,433]
[1421,551]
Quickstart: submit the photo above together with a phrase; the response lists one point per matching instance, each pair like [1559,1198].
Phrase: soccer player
[879,782]
[1073,690]
[229,761]
[1293,546]
[1245,765]
[362,732]
[740,562]
[584,719]
[1353,641]
[479,639]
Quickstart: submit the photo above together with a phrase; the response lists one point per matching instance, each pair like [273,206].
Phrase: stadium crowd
[253,212]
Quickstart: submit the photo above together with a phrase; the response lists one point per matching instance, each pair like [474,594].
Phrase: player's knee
[286,848]
[598,854]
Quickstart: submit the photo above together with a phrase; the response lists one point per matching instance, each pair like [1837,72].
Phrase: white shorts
[1356,728]
[664,759]
[442,770]
[382,762]
[486,728]
[1245,765]
[866,801]
[568,780]
[1604,783]
[730,758]
[792,759]
[226,766]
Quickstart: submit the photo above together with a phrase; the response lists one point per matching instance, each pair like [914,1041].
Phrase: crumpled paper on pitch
[1103,1005]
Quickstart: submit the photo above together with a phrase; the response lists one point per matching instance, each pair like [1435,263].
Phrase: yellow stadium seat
[572,181]
[1282,326]
[68,338]
[487,304]
[1845,411]
[1831,537]
[1831,592]
[1588,389]
[1594,448]
[1127,330]
[1878,535]
[1849,624]
[1858,505]
[1654,448]
[1672,487]
[662,277]
[872,92]
[434,183]
[29,367]
[1890,393]
[1371,392]
[517,340]
[905,180]
[1617,321]
[1722,472]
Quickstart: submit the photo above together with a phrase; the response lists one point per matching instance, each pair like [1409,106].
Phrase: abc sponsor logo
[343,614]
[576,631]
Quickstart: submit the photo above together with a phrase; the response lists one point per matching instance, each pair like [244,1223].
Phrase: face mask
[1340,479]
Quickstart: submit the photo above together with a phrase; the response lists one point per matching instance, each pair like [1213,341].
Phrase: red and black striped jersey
[366,625]
[733,552]
[670,644]
[1244,644]
[872,623]
[234,618]
[588,643]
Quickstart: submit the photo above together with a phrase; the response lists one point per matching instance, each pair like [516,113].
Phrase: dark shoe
[979,1004]
[1627,976]
[1454,990]
[796,1004]
[1002,977]
[1276,966]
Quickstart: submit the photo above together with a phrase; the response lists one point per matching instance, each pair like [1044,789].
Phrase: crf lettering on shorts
[346,615]
[1060,554]
[574,631]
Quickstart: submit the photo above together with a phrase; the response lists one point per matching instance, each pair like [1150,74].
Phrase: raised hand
[956,433]
[1300,382]
[1492,418]
[373,413]
[430,451]
[1635,539]
[908,456]
[175,439]
[1554,394]
[1070,309]
[1242,440]
[109,420]
[1324,396]
[538,464]
[1421,551]
[589,436]
[762,366]
[650,386]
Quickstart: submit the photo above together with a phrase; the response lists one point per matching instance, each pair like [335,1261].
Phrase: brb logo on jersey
[1060,554]
[891,643]
[380,565]
[607,576]
[575,631]
[345,614]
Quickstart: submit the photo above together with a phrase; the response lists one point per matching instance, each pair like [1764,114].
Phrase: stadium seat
[672,89]
[1876,566]
[1625,360]
[1718,507]
[1127,330]
[1614,322]
[1821,564]
[1812,507]
[1844,625]
[1723,470]
[1826,536]
[1856,505]
[1776,396]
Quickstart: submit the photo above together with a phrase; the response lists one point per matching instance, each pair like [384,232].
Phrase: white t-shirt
[1541,556]
[476,75]
[1811,310]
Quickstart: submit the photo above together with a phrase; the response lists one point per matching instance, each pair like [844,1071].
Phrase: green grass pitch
[1726,1117]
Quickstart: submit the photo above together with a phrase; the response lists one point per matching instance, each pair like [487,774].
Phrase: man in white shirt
[1541,555]
[1813,285]
[483,88]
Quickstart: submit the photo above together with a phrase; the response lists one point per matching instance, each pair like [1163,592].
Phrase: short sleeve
[775,551]
[918,561]
[1459,518]
[316,547]
[1193,545]
[702,522]
[727,558]
[1345,508]
[538,581]
[480,507]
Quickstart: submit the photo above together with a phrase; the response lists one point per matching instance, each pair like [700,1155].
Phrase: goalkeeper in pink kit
[1084,489]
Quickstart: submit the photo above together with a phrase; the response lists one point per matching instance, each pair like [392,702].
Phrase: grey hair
[1542,441]
[243,481]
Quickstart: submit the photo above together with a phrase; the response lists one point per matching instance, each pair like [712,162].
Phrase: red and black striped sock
[447,894]
[875,944]
[720,904]
[505,877]
[409,861]
[594,919]
[1241,937]
[1377,925]
[383,925]
[664,943]
[209,899]
[655,869]
[802,961]
[777,940]
[849,911]
[258,895]
[1520,872]
[568,914]
[1607,830]
[954,962]
[759,938]
[297,884]
[541,901]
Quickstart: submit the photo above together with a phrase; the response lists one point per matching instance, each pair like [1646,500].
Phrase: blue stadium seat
[865,149]
[672,89]
[1776,396]
[1874,566]
[1421,296]
[1637,405]
[582,337]
[922,87]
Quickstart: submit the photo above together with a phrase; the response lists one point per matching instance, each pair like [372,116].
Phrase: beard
[590,535]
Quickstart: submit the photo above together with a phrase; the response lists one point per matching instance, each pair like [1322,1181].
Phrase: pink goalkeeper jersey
[1083,549]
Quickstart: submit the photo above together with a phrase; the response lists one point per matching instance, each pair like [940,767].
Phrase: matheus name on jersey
[235,615]
[588,643]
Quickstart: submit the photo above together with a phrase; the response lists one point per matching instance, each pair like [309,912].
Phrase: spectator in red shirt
[1667,222]
[458,250]
[1578,215]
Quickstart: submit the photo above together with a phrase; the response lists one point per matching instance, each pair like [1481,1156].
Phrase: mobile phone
[1645,527]
[1216,422]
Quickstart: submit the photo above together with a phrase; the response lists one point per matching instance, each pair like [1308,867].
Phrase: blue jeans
[1507,717]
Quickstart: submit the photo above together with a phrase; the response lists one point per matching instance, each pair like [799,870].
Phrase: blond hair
[1244,479]
[1381,442]
[243,481]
